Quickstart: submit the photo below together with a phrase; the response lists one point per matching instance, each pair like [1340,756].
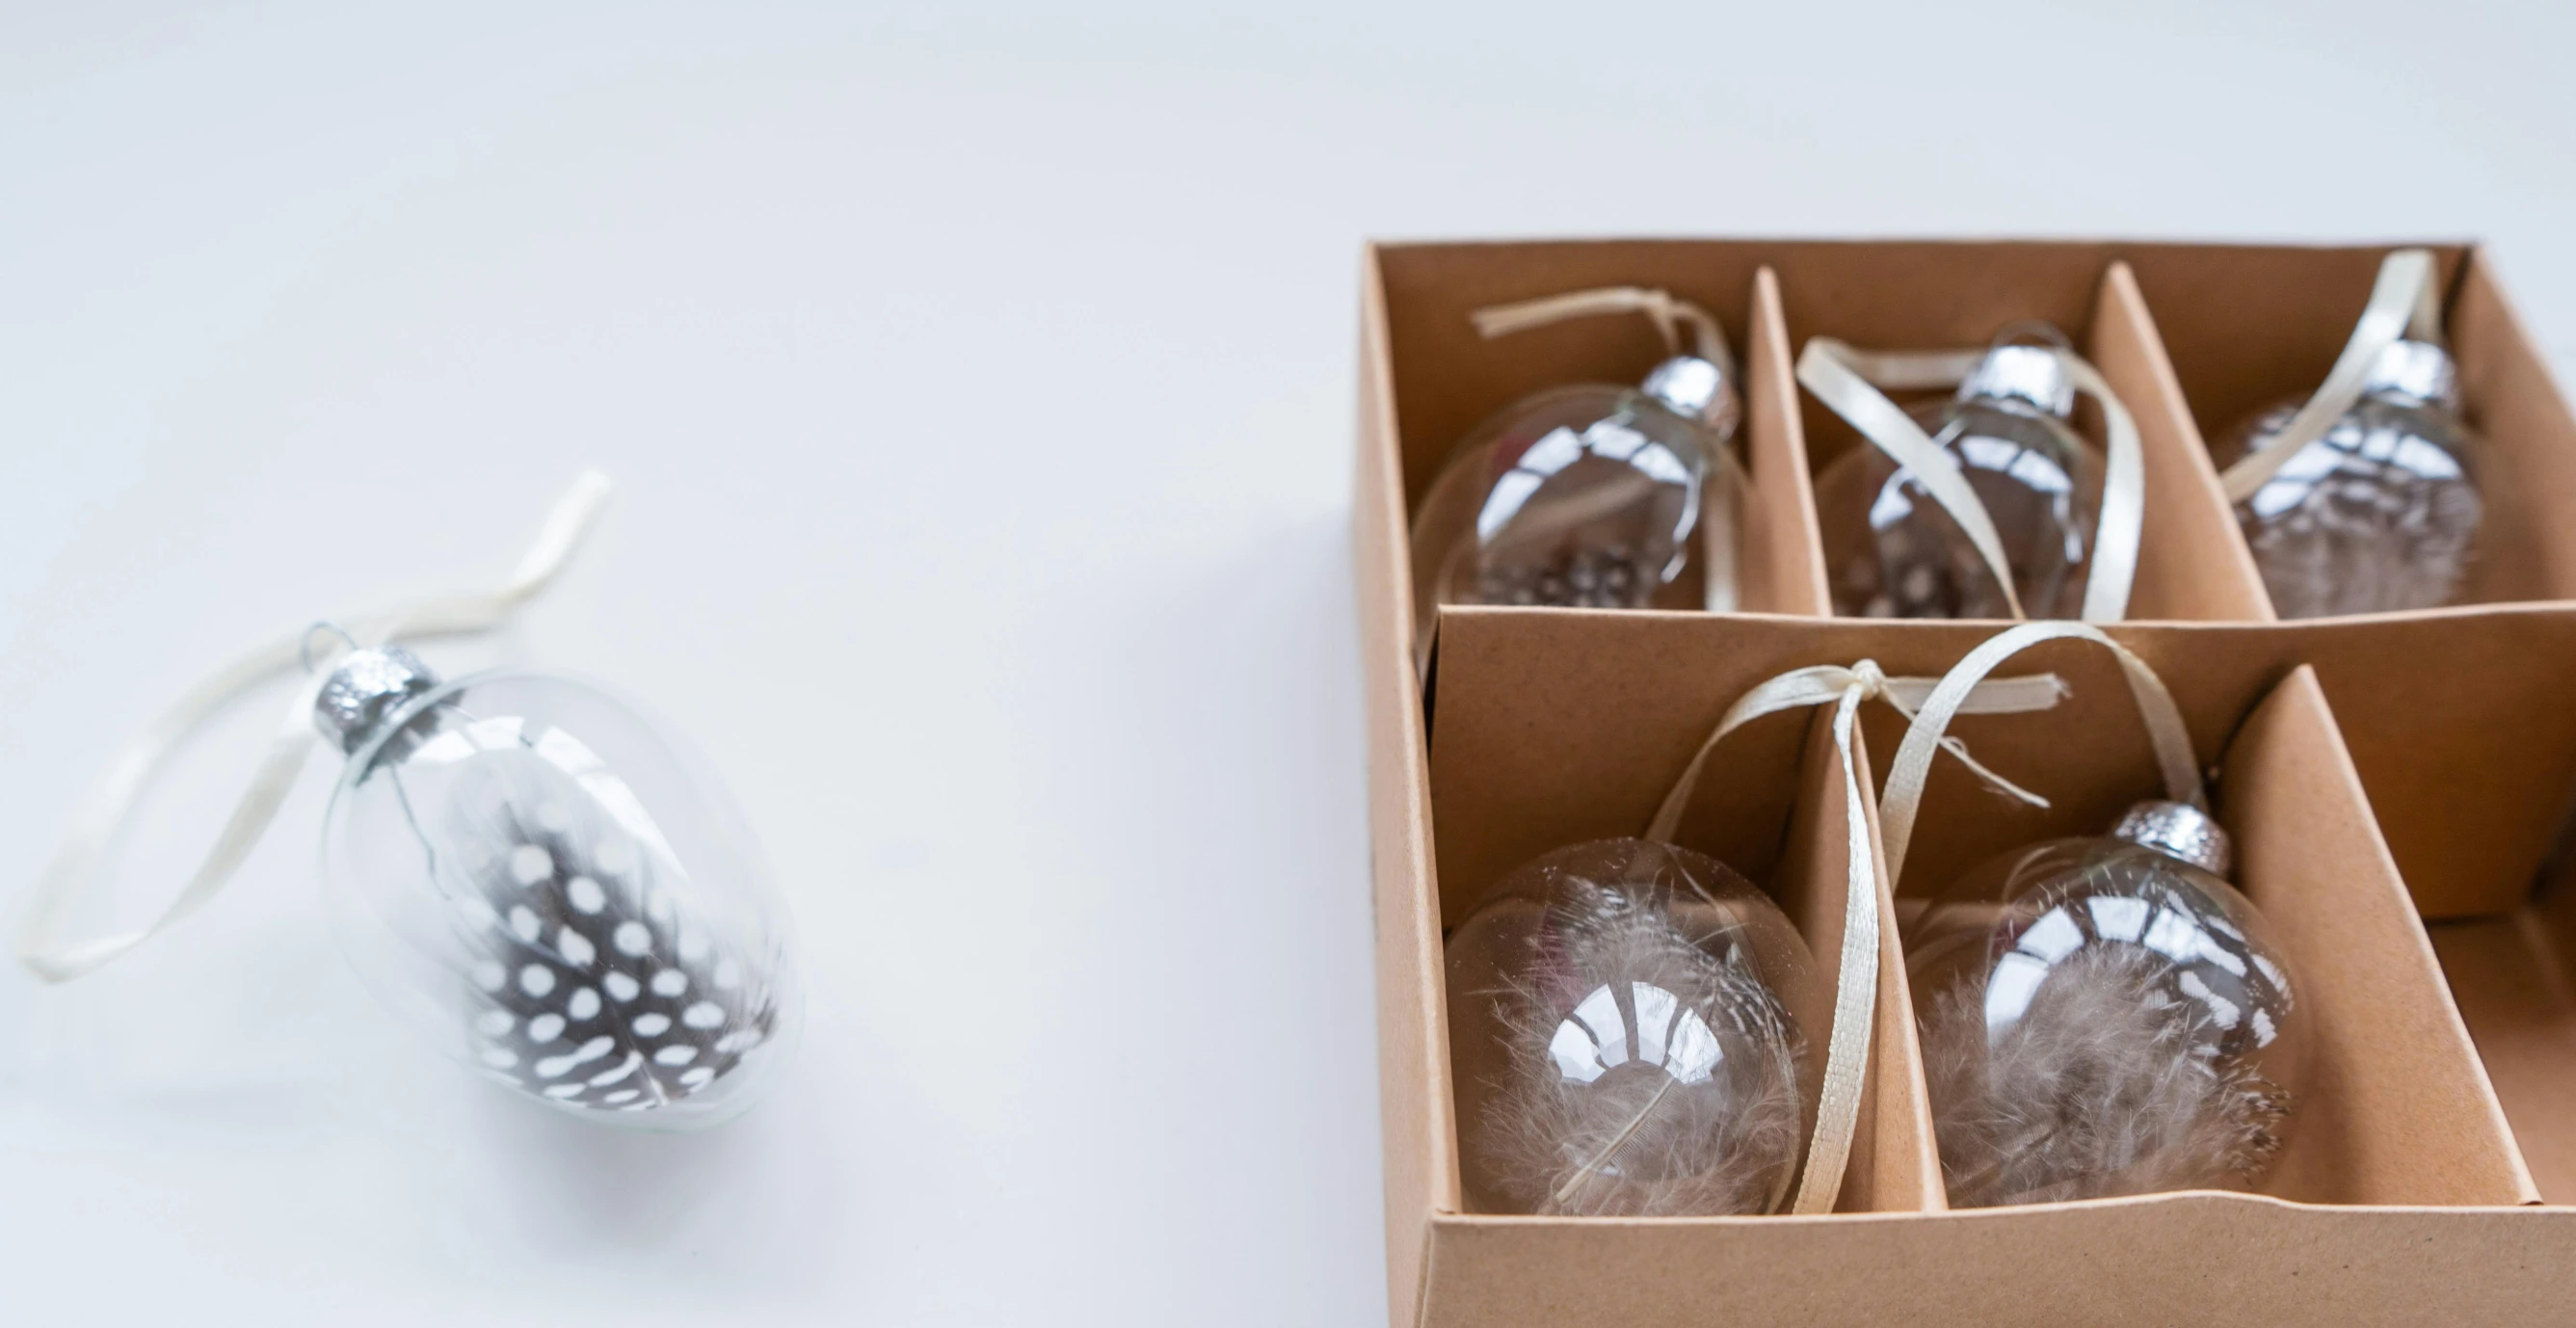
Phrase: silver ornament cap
[1693,388]
[2179,831]
[2033,374]
[2418,373]
[365,687]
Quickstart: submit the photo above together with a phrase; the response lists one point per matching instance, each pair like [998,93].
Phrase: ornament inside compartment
[1892,550]
[2380,514]
[1635,1030]
[553,891]
[2105,1016]
[1593,495]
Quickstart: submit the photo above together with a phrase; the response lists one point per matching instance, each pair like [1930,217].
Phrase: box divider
[1784,555]
[2527,471]
[2395,1107]
[2193,563]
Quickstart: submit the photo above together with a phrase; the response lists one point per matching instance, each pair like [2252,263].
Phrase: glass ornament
[2105,1016]
[1892,551]
[549,889]
[1627,1022]
[1588,496]
[2379,515]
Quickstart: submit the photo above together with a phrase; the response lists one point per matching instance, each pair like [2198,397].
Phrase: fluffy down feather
[1659,1129]
[2107,1085]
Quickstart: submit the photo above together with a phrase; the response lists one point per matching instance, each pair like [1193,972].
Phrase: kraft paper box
[2372,769]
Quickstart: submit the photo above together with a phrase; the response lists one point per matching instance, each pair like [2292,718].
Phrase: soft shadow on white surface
[979,383]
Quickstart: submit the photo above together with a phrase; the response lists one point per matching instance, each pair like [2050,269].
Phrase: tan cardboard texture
[2397,1108]
[2510,975]
[1784,566]
[2194,1258]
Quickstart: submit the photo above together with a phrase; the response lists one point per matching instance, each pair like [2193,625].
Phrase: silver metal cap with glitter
[2180,831]
[366,686]
[2023,373]
[1695,389]
[2418,373]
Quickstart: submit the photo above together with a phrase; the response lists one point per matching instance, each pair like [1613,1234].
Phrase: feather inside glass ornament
[2364,496]
[1628,1021]
[1892,551]
[547,887]
[2380,513]
[2105,1016]
[536,877]
[1593,495]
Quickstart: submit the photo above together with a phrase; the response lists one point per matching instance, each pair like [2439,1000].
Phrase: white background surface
[980,386]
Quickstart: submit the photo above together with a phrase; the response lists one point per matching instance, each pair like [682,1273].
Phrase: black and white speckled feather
[595,985]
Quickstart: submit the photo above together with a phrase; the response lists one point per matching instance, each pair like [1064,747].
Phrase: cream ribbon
[1957,693]
[2402,304]
[1856,968]
[94,827]
[1670,314]
[1849,380]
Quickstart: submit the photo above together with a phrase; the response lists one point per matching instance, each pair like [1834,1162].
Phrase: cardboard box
[2405,1194]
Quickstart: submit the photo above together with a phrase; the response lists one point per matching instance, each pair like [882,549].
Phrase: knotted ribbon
[1856,968]
[1956,695]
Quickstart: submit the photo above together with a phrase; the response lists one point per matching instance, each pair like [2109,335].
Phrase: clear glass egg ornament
[1629,1025]
[1892,551]
[2379,515]
[551,890]
[1589,496]
[2105,1016]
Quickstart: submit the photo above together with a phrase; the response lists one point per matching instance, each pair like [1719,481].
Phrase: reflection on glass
[1627,1025]
[1588,496]
[549,889]
[2100,1017]
[1891,551]
[2380,514]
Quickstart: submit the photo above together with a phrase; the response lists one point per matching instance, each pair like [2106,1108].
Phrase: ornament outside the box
[2099,1016]
[2363,497]
[1986,504]
[532,875]
[539,880]
[1635,1025]
[1592,495]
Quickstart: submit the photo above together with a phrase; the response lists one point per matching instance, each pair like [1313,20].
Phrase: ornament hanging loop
[304,645]
[1912,769]
[1668,312]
